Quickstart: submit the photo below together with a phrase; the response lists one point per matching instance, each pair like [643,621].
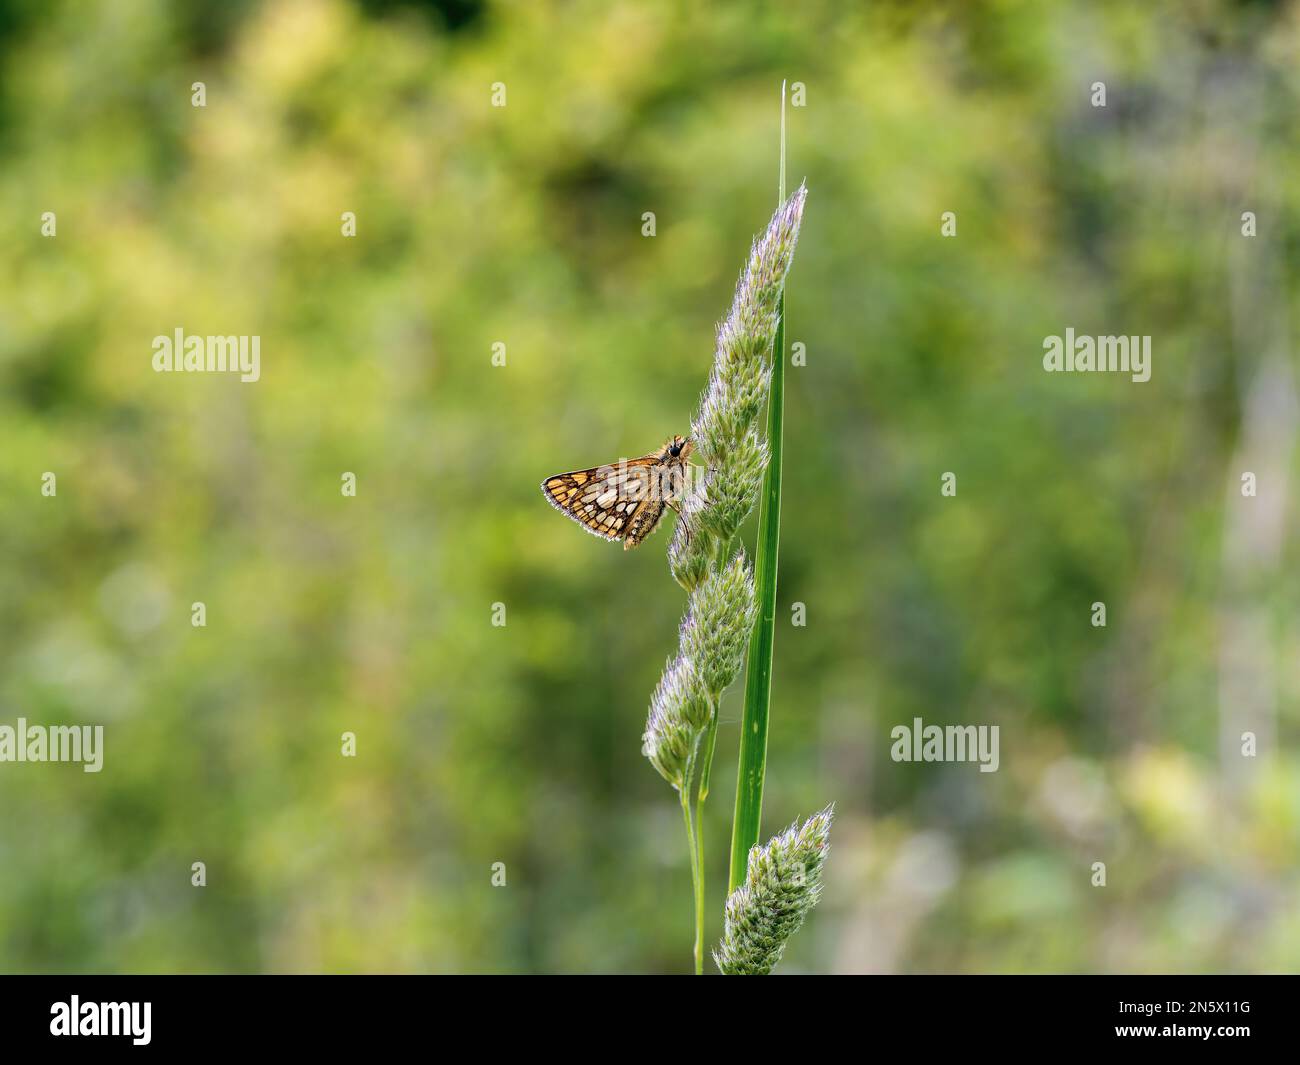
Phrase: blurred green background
[522,225]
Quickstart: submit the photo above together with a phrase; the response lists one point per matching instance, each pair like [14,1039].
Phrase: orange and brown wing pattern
[606,500]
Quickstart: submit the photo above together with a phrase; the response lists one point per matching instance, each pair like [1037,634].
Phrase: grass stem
[710,742]
[699,889]
[695,848]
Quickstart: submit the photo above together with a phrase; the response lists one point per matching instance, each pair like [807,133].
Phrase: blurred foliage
[522,224]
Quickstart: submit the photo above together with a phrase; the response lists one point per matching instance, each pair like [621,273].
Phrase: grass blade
[758,670]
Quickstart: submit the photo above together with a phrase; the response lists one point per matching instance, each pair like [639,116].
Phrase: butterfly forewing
[605,499]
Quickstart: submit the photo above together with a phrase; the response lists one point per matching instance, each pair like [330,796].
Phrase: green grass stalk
[704,557]
[752,768]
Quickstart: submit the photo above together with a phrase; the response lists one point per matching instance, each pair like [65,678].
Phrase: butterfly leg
[681,520]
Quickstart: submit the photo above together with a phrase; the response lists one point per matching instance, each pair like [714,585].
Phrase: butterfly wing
[604,500]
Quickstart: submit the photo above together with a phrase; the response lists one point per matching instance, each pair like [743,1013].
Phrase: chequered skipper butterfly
[624,501]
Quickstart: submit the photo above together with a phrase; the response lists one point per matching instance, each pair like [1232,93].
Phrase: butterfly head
[679,448]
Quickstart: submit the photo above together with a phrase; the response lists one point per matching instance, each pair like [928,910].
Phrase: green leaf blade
[758,670]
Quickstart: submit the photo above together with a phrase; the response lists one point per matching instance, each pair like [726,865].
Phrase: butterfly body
[624,500]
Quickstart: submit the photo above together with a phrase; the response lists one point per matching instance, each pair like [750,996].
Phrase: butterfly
[624,501]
